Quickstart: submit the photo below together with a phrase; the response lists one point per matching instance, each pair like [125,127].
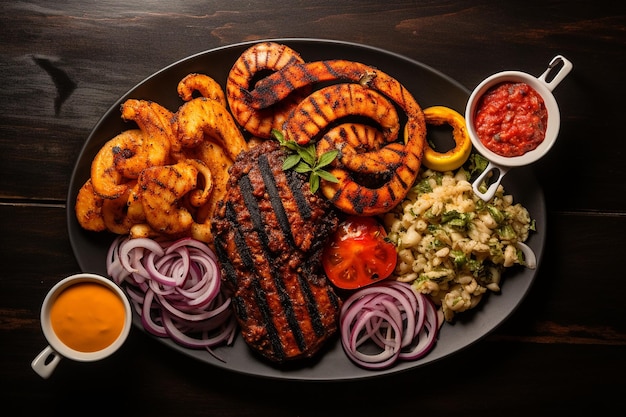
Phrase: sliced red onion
[386,322]
[175,288]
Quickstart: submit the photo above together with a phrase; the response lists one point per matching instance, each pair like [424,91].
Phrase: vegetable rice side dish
[451,244]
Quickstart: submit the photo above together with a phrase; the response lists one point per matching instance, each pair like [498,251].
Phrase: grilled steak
[269,232]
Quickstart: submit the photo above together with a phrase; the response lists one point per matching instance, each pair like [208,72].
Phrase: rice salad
[451,244]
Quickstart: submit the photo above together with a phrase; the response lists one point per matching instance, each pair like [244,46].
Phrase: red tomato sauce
[511,119]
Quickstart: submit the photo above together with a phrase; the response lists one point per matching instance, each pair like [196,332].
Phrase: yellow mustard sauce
[87,316]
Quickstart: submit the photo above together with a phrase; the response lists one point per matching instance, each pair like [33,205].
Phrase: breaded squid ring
[110,173]
[203,84]
[162,190]
[155,121]
[115,213]
[201,116]
[88,208]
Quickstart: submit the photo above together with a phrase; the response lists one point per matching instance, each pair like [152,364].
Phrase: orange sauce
[87,316]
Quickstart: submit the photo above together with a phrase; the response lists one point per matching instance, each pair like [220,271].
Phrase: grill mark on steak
[246,258]
[303,206]
[268,235]
[258,227]
[275,198]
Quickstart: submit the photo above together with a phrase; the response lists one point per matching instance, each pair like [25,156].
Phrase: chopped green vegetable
[456,220]
[476,164]
[506,232]
[422,187]
[459,258]
[497,215]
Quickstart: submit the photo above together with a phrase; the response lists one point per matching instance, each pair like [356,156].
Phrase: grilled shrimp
[206,86]
[109,170]
[163,189]
[361,149]
[267,56]
[335,102]
[347,194]
[275,87]
[202,117]
[88,208]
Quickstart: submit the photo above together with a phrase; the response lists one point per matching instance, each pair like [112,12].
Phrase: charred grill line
[264,308]
[246,63]
[285,301]
[253,209]
[333,298]
[329,68]
[227,265]
[305,211]
[301,203]
[240,240]
[272,190]
[283,221]
[390,189]
[320,112]
[245,254]
[312,307]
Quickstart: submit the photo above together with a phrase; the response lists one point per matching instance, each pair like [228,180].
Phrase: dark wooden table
[563,351]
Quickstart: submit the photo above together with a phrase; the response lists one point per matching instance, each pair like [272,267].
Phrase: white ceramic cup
[45,363]
[544,88]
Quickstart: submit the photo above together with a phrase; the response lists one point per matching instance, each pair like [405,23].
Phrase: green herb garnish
[304,159]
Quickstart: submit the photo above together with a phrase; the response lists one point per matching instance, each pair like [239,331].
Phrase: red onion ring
[175,287]
[386,322]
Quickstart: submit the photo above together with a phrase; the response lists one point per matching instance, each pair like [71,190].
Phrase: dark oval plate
[430,87]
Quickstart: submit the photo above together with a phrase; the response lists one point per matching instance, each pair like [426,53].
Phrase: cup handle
[558,77]
[45,363]
[491,190]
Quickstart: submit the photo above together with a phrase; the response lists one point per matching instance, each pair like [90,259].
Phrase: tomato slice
[358,254]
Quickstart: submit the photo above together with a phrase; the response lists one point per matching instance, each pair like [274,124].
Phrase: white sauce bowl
[501,164]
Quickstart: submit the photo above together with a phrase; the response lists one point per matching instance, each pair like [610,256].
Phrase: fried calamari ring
[200,118]
[163,189]
[108,167]
[115,213]
[206,86]
[455,157]
[88,208]
[218,161]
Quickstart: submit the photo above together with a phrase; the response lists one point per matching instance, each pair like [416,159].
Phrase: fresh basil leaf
[327,158]
[302,167]
[291,161]
[325,175]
